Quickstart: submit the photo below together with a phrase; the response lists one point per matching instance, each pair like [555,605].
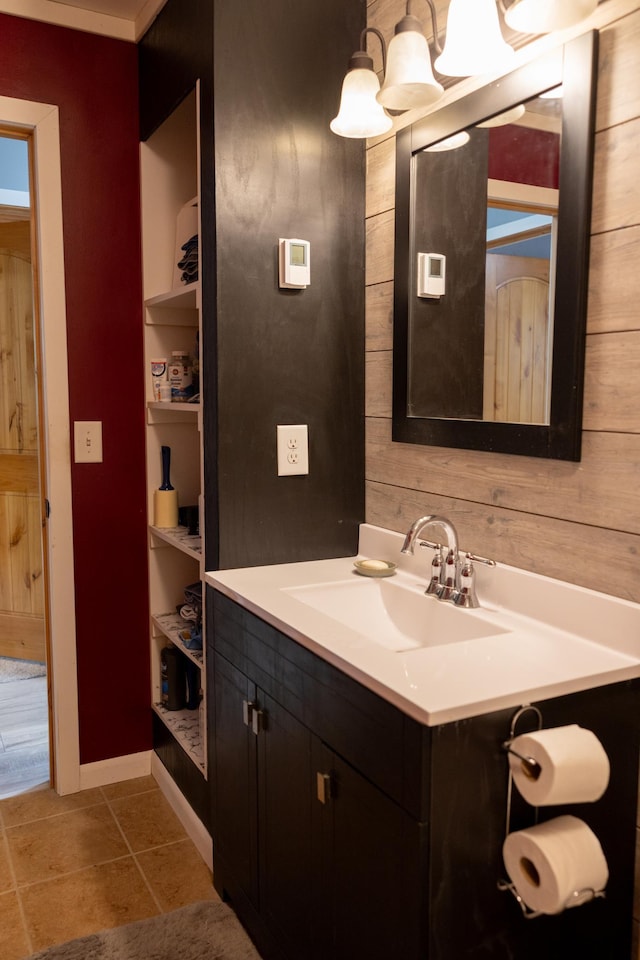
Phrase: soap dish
[375,568]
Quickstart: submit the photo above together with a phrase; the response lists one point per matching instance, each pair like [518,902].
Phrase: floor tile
[13,939]
[127,788]
[45,803]
[147,820]
[177,875]
[47,848]
[85,902]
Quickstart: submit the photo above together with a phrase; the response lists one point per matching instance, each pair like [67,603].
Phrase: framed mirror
[493,210]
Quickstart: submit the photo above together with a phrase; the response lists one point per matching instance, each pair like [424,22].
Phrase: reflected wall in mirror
[496,361]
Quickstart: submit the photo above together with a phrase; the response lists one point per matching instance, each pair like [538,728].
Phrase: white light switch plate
[87,441]
[293,449]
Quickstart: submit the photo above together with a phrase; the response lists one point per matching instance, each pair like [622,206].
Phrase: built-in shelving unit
[169,168]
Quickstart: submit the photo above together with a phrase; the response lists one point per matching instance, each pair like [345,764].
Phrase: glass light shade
[360,115]
[474,43]
[556,94]
[543,16]
[502,119]
[409,80]
[453,142]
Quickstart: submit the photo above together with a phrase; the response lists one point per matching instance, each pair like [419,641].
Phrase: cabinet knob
[323,787]
[248,706]
[257,720]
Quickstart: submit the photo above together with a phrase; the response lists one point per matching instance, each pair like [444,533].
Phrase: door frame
[42,121]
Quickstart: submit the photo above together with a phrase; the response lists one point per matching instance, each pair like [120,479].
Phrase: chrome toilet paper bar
[527,708]
[577,898]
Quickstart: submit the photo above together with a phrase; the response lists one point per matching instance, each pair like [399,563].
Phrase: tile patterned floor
[70,866]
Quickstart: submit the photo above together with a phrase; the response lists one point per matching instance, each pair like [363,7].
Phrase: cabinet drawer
[380,741]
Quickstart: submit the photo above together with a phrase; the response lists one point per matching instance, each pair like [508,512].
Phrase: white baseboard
[101,772]
[190,821]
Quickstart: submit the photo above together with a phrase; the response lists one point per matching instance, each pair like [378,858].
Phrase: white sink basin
[532,638]
[393,614]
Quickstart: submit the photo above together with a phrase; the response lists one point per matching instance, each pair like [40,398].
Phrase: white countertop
[556,638]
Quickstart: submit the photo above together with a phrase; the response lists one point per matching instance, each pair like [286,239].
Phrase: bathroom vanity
[360,790]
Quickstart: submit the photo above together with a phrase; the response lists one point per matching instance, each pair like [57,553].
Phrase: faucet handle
[430,544]
[472,557]
[467,596]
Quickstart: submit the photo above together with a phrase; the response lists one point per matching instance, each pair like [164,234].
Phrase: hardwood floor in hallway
[24,735]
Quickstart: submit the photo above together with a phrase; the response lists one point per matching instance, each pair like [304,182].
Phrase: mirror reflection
[490,324]
[492,216]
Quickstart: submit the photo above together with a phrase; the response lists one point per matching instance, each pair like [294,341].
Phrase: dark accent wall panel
[287,356]
[176,50]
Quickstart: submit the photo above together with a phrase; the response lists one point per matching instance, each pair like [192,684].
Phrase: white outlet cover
[292,449]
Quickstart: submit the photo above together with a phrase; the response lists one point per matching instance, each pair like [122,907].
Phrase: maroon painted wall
[524,155]
[93,80]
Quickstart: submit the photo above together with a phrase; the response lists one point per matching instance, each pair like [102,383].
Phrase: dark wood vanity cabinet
[342,828]
[316,859]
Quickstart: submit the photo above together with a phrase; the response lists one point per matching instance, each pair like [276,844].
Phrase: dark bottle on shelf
[173,679]
[193,685]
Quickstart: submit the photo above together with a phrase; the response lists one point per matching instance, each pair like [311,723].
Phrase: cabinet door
[374,878]
[235,811]
[286,812]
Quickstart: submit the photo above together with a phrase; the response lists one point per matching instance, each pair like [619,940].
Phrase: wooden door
[22,625]
[516,364]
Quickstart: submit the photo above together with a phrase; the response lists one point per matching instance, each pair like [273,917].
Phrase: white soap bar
[374,564]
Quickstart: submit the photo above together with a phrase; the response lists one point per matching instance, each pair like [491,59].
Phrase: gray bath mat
[200,931]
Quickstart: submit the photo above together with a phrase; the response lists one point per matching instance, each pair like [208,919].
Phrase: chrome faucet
[445,570]
[450,580]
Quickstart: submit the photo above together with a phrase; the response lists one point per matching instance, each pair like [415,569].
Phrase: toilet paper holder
[578,897]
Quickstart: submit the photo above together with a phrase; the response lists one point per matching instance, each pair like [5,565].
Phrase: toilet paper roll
[572,766]
[165,508]
[551,862]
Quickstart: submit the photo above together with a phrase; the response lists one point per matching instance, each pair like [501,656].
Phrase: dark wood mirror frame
[575,67]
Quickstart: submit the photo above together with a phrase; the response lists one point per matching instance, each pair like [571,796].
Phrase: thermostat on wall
[295,269]
[431,271]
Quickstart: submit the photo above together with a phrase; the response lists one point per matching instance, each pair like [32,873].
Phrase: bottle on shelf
[172,679]
[181,376]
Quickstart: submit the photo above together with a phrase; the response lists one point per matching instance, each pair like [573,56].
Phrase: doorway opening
[24,701]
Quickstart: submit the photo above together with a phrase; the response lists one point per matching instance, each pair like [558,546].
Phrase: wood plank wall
[578,522]
[575,521]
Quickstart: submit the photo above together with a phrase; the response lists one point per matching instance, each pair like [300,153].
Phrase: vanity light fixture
[408,79]
[453,142]
[474,43]
[543,16]
[360,115]
[502,119]
[555,94]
